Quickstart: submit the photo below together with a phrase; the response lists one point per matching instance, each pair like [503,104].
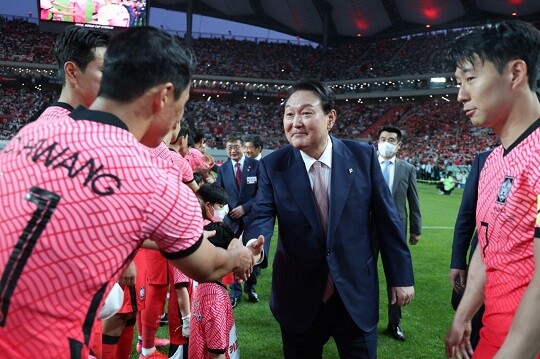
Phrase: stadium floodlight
[439,80]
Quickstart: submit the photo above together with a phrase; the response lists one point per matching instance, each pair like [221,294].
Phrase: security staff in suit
[239,177]
[327,194]
[464,238]
[401,179]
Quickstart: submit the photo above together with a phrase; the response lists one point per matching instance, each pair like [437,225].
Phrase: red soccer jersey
[212,323]
[78,196]
[506,220]
[183,165]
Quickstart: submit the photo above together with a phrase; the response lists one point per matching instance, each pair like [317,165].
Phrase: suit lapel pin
[350,170]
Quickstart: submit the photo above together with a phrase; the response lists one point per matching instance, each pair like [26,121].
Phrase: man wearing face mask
[400,177]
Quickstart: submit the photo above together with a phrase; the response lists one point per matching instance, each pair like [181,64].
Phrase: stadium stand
[431,125]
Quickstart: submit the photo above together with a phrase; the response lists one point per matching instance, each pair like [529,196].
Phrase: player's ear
[71,72]
[518,69]
[161,94]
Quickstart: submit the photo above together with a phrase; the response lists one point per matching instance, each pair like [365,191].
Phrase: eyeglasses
[234,147]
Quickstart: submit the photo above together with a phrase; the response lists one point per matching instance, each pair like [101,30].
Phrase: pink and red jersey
[78,196]
[508,194]
[212,323]
[184,168]
[196,159]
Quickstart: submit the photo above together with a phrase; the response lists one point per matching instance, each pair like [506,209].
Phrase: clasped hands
[248,256]
[402,295]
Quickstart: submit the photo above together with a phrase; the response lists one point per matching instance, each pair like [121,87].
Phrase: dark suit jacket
[359,199]
[404,190]
[244,196]
[465,228]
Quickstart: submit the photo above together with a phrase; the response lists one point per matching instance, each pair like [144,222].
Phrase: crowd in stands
[18,106]
[21,41]
[437,133]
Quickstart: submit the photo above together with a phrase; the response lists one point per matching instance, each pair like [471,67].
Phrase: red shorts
[134,296]
[156,268]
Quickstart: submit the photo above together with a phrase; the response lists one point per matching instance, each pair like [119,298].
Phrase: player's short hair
[224,234]
[255,139]
[78,44]
[140,58]
[391,129]
[198,135]
[212,193]
[233,137]
[499,43]
[325,93]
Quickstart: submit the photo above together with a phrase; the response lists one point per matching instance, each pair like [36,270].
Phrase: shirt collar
[382,159]
[81,113]
[326,156]
[63,105]
[241,161]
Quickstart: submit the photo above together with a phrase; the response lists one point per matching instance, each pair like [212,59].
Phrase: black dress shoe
[396,332]
[234,302]
[253,297]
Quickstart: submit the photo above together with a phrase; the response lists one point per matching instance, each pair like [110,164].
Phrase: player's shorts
[156,268]
[134,296]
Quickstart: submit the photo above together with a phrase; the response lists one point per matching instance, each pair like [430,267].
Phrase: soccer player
[80,195]
[79,55]
[497,68]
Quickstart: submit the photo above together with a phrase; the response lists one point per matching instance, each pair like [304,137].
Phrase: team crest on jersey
[142,293]
[504,191]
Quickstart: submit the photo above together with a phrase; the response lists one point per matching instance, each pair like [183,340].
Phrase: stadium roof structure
[336,21]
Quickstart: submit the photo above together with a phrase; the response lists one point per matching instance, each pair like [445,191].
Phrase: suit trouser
[334,320]
[249,285]
[394,310]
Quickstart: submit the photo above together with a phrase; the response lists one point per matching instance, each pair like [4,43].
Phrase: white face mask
[386,149]
[221,213]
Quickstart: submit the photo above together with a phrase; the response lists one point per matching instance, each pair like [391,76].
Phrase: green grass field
[425,321]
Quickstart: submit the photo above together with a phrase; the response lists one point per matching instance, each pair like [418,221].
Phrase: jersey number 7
[46,202]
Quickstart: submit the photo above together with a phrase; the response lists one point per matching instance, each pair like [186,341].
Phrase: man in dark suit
[400,177]
[239,177]
[253,146]
[327,194]
[464,238]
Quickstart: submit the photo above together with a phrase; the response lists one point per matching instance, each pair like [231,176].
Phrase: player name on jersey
[50,154]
